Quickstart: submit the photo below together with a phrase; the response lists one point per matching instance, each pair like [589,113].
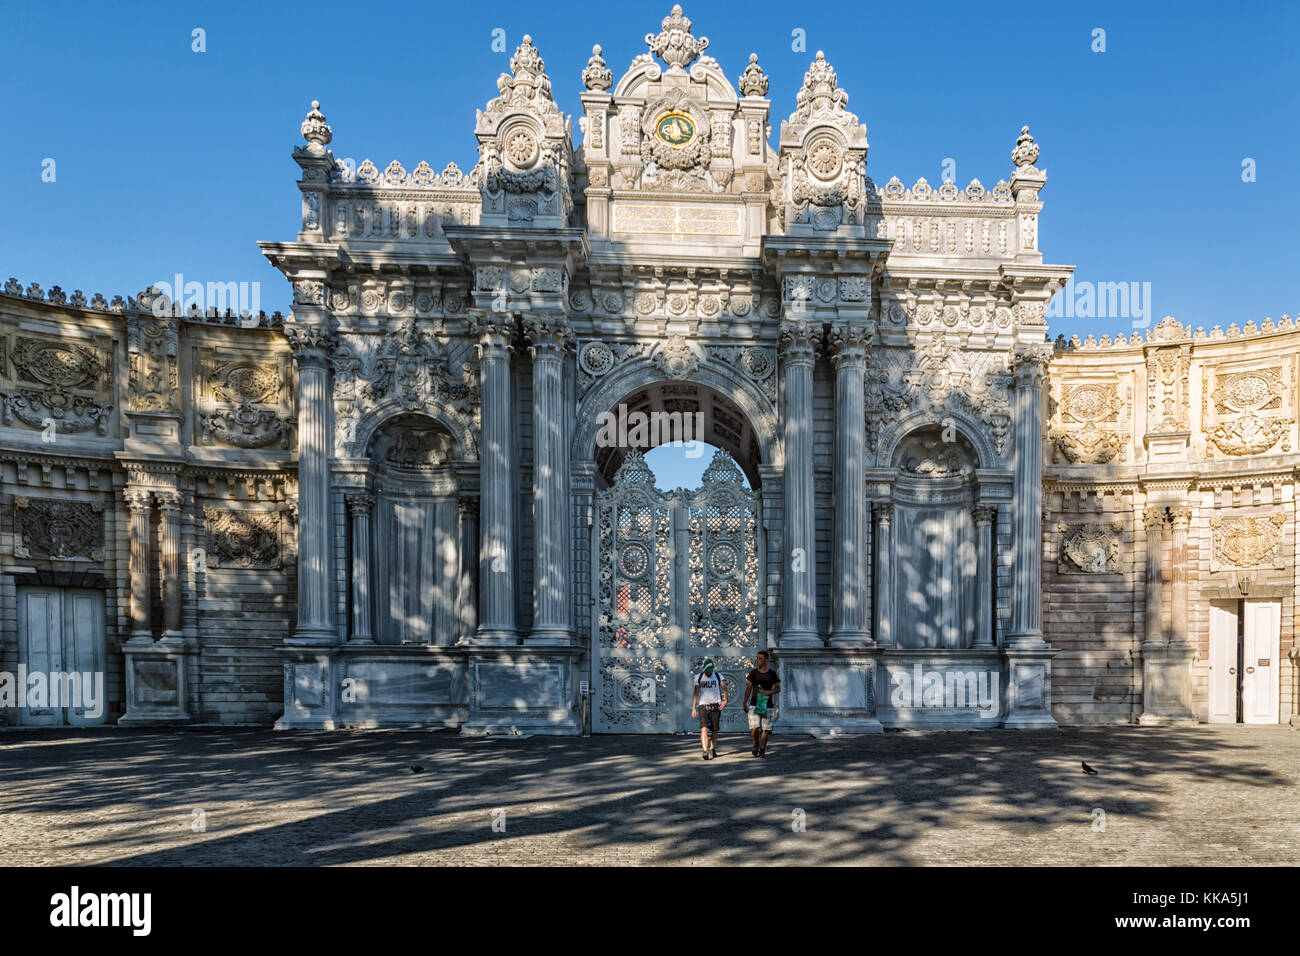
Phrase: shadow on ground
[1169,796]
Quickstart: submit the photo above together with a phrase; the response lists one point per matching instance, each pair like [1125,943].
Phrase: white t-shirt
[710,688]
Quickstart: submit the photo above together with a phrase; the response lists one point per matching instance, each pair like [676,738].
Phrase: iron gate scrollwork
[678,581]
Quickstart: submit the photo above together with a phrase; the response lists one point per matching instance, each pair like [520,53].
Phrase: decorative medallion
[675,129]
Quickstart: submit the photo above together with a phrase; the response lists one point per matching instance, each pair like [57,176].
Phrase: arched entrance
[678,574]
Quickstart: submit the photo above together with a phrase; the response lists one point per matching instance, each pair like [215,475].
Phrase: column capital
[359,502]
[849,344]
[309,342]
[496,333]
[467,507]
[1029,366]
[984,514]
[138,500]
[1155,517]
[1180,518]
[799,342]
[169,501]
[883,510]
[548,334]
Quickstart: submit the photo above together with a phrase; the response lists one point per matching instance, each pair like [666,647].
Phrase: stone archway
[676,575]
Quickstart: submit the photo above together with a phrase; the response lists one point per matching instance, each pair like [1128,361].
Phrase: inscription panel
[687,220]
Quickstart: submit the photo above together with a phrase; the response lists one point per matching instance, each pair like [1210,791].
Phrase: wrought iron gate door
[678,580]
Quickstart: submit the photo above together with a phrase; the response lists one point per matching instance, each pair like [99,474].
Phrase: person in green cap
[707,701]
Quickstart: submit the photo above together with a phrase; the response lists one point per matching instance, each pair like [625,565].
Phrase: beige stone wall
[197,407]
[1174,419]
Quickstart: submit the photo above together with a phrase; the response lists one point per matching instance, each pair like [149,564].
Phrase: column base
[550,637]
[800,639]
[157,682]
[1029,685]
[856,637]
[313,635]
[1167,686]
[496,637]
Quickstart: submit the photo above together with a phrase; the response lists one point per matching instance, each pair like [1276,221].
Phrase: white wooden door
[61,631]
[1223,663]
[1259,670]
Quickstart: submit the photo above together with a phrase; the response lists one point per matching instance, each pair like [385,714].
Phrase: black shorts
[710,715]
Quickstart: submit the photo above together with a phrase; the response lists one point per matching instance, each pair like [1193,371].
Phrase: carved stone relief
[59,382]
[1090,548]
[53,529]
[242,539]
[1249,542]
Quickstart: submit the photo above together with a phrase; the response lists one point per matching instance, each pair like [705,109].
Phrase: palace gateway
[411,502]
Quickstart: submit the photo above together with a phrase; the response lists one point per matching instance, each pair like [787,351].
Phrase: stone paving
[1209,795]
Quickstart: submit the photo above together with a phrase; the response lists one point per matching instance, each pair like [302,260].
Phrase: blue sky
[172,161]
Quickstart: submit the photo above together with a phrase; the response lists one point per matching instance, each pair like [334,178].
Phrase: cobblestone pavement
[1210,795]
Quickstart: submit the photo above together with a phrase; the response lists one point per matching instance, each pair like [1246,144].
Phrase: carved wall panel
[241,401]
[54,529]
[1090,548]
[56,381]
[1248,542]
[1247,412]
[154,382]
[1087,424]
[242,539]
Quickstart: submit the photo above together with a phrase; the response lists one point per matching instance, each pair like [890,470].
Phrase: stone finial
[675,45]
[820,93]
[752,81]
[1026,151]
[315,130]
[597,76]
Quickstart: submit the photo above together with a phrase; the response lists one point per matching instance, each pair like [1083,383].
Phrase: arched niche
[935,560]
[736,416]
[416,541]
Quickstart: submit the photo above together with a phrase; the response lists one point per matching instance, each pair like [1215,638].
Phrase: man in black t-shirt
[761,687]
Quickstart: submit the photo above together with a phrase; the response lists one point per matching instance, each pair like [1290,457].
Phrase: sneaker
[713,754]
[755,750]
[706,755]
[763,752]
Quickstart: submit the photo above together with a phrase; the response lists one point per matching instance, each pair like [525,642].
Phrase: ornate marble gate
[678,580]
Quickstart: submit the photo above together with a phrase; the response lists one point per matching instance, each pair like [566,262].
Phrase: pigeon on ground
[415,768]
[1087,769]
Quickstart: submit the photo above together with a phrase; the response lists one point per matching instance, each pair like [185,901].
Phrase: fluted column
[986,561]
[315,529]
[138,503]
[169,509]
[1027,573]
[467,588]
[799,355]
[849,601]
[884,590]
[1182,520]
[549,341]
[496,553]
[1153,628]
[360,507]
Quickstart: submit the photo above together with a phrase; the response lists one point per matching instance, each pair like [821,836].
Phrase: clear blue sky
[174,161]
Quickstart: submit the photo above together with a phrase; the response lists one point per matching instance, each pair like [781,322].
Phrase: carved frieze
[61,530]
[408,368]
